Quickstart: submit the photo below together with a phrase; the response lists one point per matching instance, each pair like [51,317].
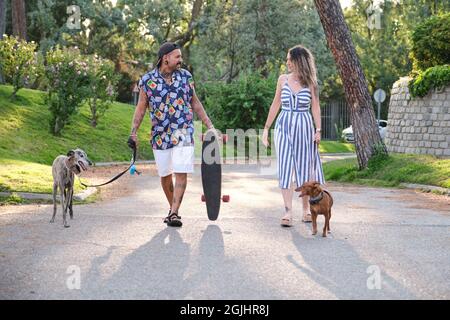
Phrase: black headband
[166,48]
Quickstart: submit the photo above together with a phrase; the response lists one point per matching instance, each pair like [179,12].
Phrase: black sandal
[173,220]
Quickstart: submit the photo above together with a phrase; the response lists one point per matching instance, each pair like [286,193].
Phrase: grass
[392,170]
[26,176]
[335,147]
[25,136]
[27,148]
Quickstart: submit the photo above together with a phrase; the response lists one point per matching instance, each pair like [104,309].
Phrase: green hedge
[242,104]
[432,78]
[431,42]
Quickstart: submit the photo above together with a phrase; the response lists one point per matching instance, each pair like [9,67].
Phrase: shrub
[67,76]
[19,63]
[432,78]
[242,104]
[431,42]
[102,86]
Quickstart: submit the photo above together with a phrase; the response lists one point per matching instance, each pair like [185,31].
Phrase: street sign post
[379,97]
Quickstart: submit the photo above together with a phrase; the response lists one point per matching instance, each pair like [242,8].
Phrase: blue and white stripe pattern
[297,153]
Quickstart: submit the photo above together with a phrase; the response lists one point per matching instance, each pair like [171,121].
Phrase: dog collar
[316,199]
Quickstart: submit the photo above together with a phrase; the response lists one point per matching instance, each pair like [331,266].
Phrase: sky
[345,3]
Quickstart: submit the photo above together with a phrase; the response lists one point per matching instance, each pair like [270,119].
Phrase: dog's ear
[316,184]
[70,153]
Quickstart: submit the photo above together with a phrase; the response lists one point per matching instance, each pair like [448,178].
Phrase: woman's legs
[288,194]
[306,213]
[287,198]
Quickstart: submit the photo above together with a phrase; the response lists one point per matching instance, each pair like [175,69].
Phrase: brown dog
[320,202]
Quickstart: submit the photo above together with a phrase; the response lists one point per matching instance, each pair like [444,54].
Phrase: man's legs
[180,188]
[182,160]
[167,185]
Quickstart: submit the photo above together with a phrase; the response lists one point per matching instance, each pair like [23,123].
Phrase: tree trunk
[2,18]
[189,35]
[261,40]
[365,128]
[19,19]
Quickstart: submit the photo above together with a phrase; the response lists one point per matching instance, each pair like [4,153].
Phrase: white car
[347,133]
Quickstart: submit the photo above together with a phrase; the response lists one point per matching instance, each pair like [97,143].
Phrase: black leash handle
[117,176]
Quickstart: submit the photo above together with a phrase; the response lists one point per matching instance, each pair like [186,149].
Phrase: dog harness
[317,199]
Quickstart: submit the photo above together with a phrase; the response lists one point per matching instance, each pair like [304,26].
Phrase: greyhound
[64,169]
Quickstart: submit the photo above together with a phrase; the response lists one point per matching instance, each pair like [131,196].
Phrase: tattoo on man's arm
[138,116]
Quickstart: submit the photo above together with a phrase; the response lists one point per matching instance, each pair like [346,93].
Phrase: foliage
[101,89]
[240,104]
[384,51]
[68,78]
[433,78]
[431,42]
[19,63]
[25,136]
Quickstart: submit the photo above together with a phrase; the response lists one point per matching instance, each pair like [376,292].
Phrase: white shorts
[178,159]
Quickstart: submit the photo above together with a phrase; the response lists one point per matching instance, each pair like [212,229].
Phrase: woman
[296,140]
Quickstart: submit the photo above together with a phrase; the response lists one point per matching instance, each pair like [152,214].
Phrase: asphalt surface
[385,244]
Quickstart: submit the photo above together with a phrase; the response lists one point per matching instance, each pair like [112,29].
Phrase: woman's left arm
[315,108]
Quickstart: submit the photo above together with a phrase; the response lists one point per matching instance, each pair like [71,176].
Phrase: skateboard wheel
[226,198]
[203,198]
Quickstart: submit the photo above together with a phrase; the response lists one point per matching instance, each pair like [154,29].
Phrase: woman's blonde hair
[304,65]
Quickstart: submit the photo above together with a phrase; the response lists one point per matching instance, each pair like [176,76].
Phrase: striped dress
[297,153]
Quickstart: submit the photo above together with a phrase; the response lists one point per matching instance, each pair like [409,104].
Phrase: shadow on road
[166,268]
[334,265]
[152,271]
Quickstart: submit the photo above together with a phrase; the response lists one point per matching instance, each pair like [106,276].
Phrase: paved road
[385,244]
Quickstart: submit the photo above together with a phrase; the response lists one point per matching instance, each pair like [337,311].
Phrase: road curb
[426,188]
[46,196]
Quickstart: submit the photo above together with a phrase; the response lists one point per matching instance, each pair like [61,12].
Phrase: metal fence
[335,118]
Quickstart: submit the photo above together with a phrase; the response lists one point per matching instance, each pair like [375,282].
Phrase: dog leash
[133,160]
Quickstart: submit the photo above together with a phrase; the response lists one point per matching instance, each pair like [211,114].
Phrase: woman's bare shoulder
[282,78]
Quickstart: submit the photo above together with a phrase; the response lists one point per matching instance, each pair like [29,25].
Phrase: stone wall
[418,125]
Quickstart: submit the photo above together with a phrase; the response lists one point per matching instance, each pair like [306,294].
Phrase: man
[168,92]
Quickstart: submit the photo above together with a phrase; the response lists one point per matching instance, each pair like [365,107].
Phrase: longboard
[212,175]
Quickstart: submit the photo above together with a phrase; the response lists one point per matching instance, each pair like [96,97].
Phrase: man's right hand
[132,141]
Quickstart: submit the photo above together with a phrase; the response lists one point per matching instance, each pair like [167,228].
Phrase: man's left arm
[200,111]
